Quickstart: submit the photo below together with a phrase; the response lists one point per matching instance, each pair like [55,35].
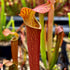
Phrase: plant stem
[3,19]
[13,26]
[69,25]
[3,15]
[9,23]
[42,36]
[24,3]
[45,35]
[34,3]
[41,18]
[56,50]
[30,2]
[50,31]
[2,12]
[0,22]
[42,40]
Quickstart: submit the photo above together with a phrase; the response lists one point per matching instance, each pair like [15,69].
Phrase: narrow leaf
[34,4]
[42,40]
[58,44]
[42,49]
[23,3]
[13,26]
[69,25]
[9,23]
[2,19]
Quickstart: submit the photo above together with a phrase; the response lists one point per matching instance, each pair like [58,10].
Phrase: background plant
[61,6]
[12,7]
[3,24]
[23,3]
[69,25]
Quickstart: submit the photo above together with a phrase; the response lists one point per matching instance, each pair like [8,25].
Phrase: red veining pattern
[25,12]
[43,8]
[33,42]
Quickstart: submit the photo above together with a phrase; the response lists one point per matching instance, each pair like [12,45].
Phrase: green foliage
[9,24]
[34,3]
[42,49]
[52,57]
[3,23]
[23,3]
[7,38]
[2,12]
[3,20]
[56,51]
[13,10]
[42,40]
[69,25]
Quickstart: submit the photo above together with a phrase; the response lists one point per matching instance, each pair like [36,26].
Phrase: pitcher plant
[37,39]
[32,24]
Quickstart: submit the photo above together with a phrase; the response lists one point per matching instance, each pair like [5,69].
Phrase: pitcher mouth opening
[36,25]
[14,38]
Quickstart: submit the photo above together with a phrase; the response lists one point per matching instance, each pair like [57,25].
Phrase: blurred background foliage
[12,7]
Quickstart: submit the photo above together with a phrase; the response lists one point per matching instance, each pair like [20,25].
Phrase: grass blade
[56,49]
[34,3]
[42,41]
[24,3]
[69,25]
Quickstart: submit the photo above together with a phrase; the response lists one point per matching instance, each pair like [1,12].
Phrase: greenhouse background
[34,34]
